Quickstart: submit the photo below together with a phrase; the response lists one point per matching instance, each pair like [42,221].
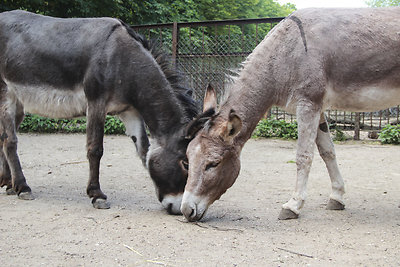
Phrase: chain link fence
[209,52]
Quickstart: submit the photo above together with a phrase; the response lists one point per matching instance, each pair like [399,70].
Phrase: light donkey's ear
[233,126]
[210,99]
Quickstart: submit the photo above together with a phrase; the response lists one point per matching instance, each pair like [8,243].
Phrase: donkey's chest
[48,101]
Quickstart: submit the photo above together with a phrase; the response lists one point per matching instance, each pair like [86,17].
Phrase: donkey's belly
[48,101]
[370,98]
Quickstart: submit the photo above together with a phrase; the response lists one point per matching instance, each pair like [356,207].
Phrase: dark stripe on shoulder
[116,26]
[300,25]
[138,37]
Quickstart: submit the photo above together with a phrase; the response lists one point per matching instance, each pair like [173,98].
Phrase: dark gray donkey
[65,68]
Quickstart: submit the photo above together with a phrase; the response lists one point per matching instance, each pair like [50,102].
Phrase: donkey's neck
[250,100]
[161,111]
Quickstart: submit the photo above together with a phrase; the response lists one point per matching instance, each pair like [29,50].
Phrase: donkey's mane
[173,75]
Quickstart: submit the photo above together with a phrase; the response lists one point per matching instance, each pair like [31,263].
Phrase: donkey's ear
[210,99]
[233,126]
[197,124]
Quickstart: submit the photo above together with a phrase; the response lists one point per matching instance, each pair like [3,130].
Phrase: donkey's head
[213,156]
[168,167]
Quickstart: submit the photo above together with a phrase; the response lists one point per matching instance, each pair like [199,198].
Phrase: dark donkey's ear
[210,99]
[195,125]
[209,107]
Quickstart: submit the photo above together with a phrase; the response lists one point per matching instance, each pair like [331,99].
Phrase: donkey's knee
[10,143]
[304,161]
[95,152]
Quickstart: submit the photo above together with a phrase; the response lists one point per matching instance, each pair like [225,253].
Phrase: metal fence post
[357,126]
[175,39]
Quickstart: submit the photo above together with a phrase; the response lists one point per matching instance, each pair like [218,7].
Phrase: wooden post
[175,37]
[357,126]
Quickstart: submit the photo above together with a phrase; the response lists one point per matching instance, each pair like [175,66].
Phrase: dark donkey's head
[172,108]
[166,160]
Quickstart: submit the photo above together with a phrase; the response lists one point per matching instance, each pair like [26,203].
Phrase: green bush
[38,124]
[339,135]
[276,128]
[390,134]
[113,126]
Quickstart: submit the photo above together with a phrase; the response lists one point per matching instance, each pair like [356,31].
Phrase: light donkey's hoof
[334,205]
[287,214]
[26,196]
[101,204]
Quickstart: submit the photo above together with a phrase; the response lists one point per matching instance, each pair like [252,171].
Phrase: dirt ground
[60,227]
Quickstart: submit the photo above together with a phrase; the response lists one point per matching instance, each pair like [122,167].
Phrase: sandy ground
[60,227]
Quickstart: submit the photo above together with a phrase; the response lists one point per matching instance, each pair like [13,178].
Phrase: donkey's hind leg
[5,173]
[95,134]
[11,114]
[327,152]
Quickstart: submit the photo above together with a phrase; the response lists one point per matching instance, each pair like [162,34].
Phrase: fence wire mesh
[209,52]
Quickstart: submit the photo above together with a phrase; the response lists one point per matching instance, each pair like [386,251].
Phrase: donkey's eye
[211,165]
[185,164]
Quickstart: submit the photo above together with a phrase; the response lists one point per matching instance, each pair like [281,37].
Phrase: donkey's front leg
[327,152]
[307,118]
[95,133]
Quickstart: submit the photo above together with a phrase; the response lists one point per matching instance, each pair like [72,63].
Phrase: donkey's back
[45,61]
[347,58]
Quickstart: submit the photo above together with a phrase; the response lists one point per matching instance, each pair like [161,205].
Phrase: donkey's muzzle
[172,203]
[193,208]
[189,212]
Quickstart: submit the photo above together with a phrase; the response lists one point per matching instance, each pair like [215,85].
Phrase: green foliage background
[383,3]
[153,11]
[38,124]
[390,134]
[276,128]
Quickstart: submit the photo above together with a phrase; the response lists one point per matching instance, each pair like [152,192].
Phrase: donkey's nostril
[189,211]
[191,214]
[169,208]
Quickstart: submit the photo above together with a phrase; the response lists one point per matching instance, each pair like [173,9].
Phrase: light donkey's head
[213,157]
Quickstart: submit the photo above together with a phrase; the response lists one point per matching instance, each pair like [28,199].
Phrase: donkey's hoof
[334,205]
[26,196]
[287,214]
[10,191]
[101,204]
